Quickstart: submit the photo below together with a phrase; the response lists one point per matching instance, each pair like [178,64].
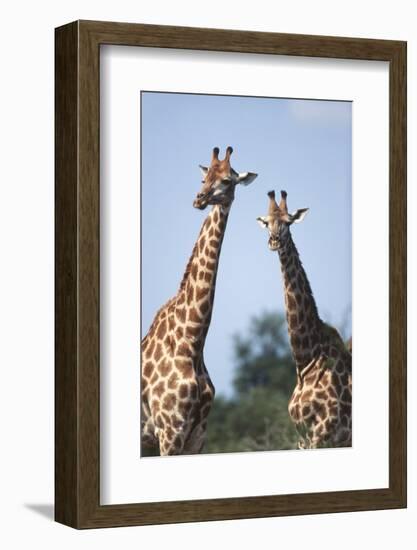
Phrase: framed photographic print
[230,274]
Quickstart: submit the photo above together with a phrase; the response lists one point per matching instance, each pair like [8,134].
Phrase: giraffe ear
[263,221]
[298,215]
[245,178]
[204,170]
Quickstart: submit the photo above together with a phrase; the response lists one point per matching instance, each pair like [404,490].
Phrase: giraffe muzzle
[202,200]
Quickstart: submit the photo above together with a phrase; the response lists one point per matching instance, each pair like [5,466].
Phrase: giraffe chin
[200,205]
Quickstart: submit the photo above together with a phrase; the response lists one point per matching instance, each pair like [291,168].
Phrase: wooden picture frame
[77,373]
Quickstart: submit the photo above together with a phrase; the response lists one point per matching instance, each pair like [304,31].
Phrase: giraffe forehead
[217,171]
[277,216]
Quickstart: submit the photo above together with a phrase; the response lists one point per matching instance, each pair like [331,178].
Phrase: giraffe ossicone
[177,392]
[321,404]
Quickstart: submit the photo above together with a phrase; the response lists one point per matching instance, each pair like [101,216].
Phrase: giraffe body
[321,404]
[177,392]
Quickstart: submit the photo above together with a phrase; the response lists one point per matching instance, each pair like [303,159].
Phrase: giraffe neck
[196,295]
[303,319]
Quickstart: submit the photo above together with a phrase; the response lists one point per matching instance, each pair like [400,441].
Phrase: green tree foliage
[255,417]
[262,357]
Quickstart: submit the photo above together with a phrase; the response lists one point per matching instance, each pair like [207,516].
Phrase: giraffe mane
[188,267]
[156,318]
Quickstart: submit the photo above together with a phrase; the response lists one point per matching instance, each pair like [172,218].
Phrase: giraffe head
[279,220]
[220,180]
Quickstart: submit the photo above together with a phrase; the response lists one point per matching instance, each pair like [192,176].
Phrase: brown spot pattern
[173,381]
[193,315]
[159,389]
[181,313]
[169,401]
[185,368]
[184,350]
[158,352]
[183,391]
[161,329]
[201,292]
[147,370]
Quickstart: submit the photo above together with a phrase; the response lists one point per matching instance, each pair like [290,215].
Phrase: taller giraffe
[321,404]
[176,388]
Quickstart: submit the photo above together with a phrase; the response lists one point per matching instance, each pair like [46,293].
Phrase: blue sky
[302,146]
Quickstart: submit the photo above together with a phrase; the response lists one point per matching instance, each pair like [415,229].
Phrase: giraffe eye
[226,181]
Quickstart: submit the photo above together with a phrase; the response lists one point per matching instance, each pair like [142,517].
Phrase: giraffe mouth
[273,243]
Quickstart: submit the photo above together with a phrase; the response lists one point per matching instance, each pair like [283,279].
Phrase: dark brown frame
[77,358]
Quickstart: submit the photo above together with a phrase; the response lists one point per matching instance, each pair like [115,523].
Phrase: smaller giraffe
[321,404]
